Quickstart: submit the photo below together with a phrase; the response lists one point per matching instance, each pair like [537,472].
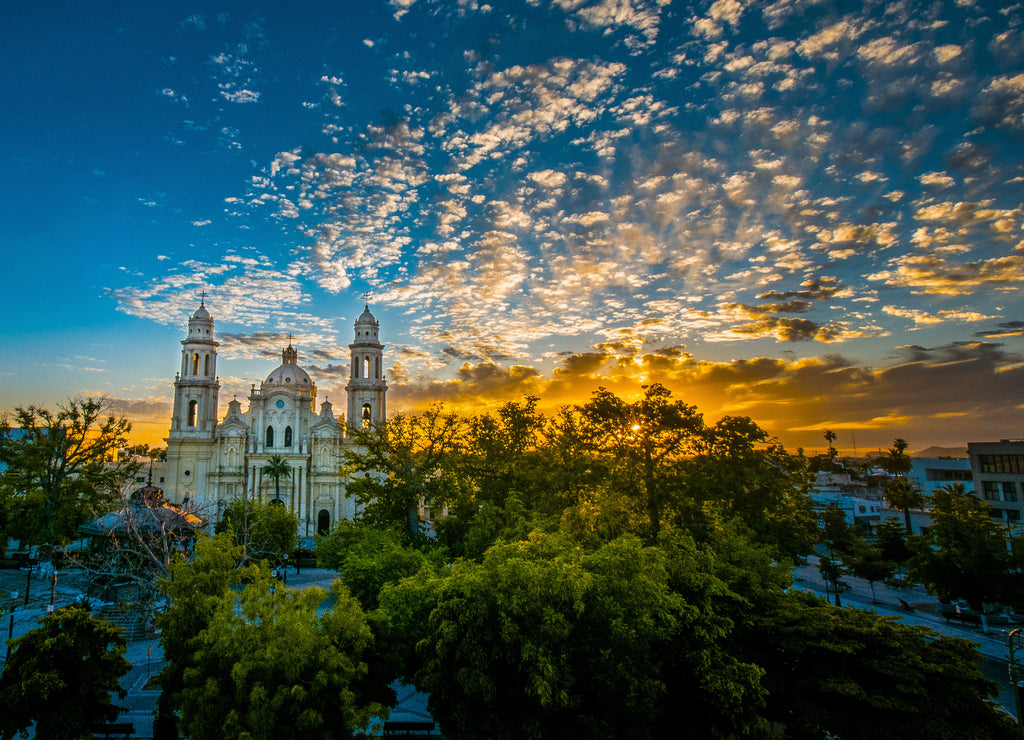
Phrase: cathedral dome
[289,374]
[366,318]
[201,313]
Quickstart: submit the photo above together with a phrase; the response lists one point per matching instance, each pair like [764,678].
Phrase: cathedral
[211,461]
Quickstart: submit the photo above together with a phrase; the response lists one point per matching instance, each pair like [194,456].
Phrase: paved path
[993,646]
[146,655]
[887,602]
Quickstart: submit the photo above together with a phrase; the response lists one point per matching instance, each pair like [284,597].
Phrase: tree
[892,543]
[265,531]
[542,639]
[642,442]
[902,494]
[259,661]
[194,589]
[868,562]
[830,437]
[895,460]
[965,554]
[268,666]
[502,450]
[60,465]
[407,461]
[840,539]
[852,674]
[367,558]
[277,467]
[135,544]
[741,472]
[61,676]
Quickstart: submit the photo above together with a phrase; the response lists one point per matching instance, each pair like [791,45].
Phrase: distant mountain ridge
[934,451]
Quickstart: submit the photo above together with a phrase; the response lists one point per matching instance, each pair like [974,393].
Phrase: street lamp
[10,626]
[28,578]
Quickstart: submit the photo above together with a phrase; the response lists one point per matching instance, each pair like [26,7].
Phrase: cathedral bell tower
[367,388]
[196,385]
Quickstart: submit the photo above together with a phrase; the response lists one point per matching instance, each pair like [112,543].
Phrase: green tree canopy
[892,542]
[408,460]
[965,554]
[642,443]
[195,589]
[61,466]
[851,674]
[267,666]
[544,640]
[895,460]
[367,558]
[260,660]
[61,676]
[266,531]
[902,494]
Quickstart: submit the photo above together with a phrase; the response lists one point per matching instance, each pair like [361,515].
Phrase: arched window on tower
[367,414]
[206,366]
[355,367]
[287,436]
[195,364]
[270,436]
[366,367]
[193,412]
[376,363]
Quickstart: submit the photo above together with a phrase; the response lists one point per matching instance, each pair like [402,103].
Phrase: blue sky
[805,212]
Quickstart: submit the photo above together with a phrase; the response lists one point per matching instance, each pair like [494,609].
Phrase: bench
[960,614]
[409,729]
[118,729]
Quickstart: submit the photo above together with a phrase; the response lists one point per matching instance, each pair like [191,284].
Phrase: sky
[805,212]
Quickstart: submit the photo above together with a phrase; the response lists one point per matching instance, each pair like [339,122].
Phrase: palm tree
[902,494]
[277,467]
[895,460]
[830,437]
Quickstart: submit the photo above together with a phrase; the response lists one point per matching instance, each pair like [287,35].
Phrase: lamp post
[1015,675]
[28,579]
[10,624]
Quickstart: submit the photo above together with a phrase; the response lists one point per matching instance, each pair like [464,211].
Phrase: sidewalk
[925,608]
[146,655]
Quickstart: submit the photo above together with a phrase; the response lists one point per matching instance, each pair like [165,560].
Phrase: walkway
[146,655]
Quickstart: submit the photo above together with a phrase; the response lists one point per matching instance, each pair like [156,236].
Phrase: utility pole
[1015,676]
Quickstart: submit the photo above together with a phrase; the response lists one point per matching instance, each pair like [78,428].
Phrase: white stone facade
[210,463]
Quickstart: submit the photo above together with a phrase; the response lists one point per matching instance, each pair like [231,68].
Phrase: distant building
[861,501]
[929,474]
[211,462]
[998,472]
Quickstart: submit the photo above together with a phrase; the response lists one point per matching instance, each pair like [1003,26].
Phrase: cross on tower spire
[202,298]
[366,299]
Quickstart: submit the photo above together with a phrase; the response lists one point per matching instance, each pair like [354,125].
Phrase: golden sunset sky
[809,213]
